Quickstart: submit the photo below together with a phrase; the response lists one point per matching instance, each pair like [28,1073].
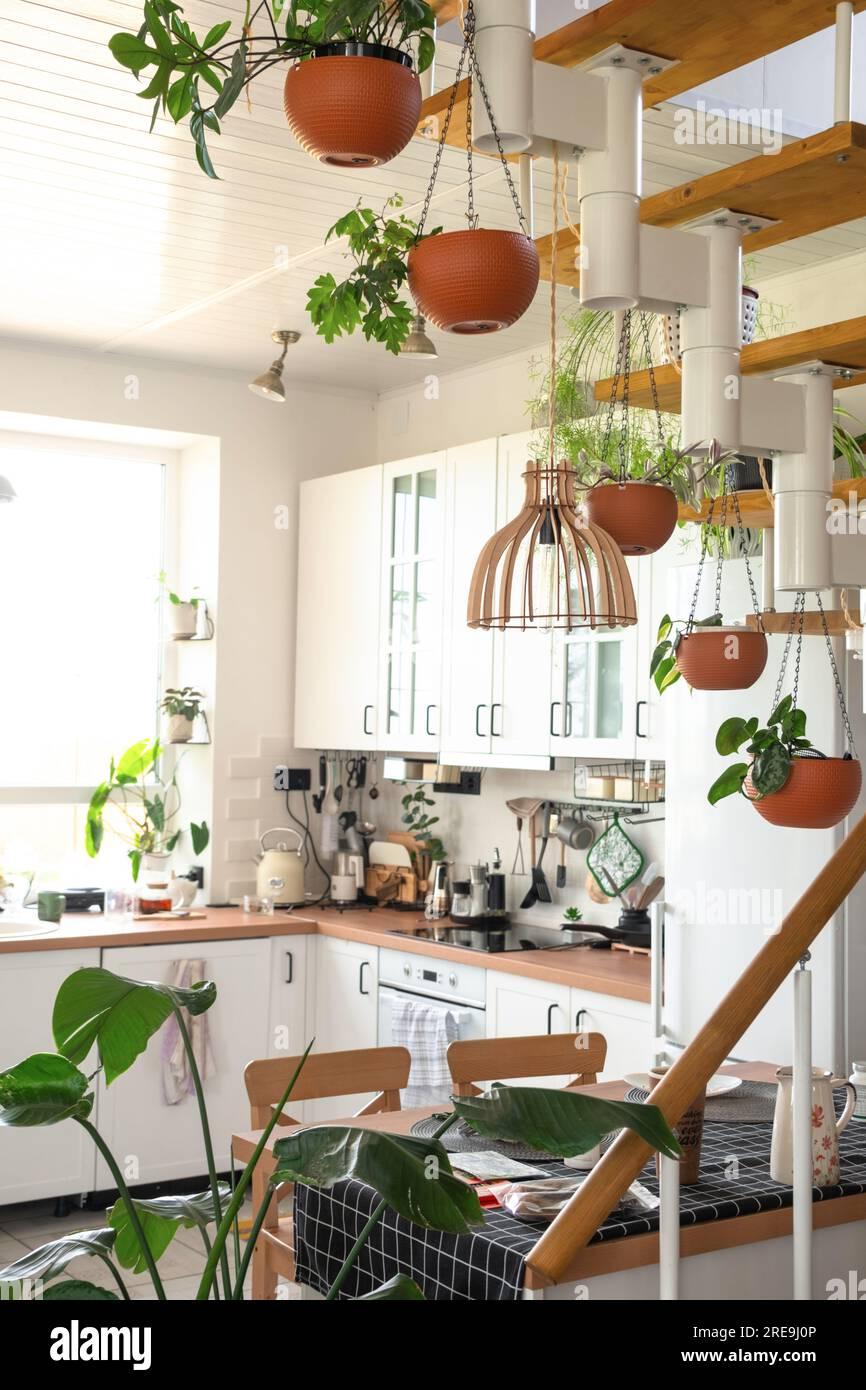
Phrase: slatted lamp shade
[547,568]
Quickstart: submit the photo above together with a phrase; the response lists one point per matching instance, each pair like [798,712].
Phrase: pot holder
[614,860]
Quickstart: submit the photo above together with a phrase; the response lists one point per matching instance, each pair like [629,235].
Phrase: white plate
[718,1085]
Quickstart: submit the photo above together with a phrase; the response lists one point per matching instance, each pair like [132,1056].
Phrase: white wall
[265,450]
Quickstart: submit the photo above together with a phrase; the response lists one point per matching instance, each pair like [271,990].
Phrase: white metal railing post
[657,918]
[669,1229]
[802,1131]
[844,62]
[768,583]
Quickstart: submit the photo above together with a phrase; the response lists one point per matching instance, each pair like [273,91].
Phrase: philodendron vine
[771,751]
[663,667]
[201,76]
[95,1009]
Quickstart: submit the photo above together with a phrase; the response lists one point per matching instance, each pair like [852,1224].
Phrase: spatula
[539,890]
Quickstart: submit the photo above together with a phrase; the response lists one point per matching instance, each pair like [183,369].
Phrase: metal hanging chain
[442,139]
[705,546]
[800,598]
[796,691]
[621,374]
[840,694]
[644,323]
[705,541]
[752,590]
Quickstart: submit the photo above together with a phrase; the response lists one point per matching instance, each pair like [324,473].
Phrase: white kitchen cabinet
[152,1140]
[518,1007]
[346,1010]
[625,1024]
[412,589]
[289,1031]
[39,1163]
[339,574]
[651,707]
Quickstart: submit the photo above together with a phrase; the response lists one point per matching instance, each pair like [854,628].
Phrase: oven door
[426,1082]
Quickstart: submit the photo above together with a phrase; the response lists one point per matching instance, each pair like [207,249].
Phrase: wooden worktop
[603,972]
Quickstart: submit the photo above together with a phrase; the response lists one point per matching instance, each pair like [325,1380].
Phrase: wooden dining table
[616,1255]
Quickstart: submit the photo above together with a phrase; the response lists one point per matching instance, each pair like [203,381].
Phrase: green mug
[50,907]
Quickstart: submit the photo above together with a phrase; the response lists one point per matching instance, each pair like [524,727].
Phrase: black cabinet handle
[639,733]
[290,968]
[367,710]
[361,989]
[494,732]
[557,704]
[478,709]
[550,1009]
[429,731]
[578,1016]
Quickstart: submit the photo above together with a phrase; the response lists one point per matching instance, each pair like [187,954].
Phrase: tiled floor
[32,1224]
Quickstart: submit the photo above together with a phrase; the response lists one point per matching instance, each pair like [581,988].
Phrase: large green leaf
[161,1218]
[413,1175]
[43,1090]
[138,758]
[51,1259]
[78,1291]
[771,769]
[728,784]
[400,1289]
[562,1122]
[121,1016]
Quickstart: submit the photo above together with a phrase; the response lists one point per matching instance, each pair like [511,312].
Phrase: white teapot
[825,1127]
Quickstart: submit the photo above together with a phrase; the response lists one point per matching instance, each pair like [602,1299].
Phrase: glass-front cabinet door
[412,604]
[593,708]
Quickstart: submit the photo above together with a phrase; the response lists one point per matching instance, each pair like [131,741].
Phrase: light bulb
[545,576]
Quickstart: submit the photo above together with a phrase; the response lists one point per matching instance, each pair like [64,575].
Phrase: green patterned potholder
[614,860]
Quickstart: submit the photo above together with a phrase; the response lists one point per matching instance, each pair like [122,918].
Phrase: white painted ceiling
[112,239]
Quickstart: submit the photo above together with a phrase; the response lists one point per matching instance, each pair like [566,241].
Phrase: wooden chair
[384,1070]
[556,1054]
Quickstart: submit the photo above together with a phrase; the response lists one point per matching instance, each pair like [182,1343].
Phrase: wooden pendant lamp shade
[547,569]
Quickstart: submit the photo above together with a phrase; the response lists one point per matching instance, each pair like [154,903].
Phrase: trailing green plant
[370,296]
[663,666]
[771,751]
[419,822]
[147,803]
[202,76]
[186,702]
[414,1177]
[194,600]
[847,445]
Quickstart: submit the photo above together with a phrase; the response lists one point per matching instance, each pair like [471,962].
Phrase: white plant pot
[184,621]
[670,335]
[178,728]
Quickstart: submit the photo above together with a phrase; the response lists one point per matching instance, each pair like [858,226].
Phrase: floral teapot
[825,1127]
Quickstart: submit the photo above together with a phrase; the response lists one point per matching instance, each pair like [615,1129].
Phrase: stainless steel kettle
[280,873]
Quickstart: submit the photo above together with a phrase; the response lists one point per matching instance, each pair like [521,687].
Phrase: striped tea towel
[426,1030]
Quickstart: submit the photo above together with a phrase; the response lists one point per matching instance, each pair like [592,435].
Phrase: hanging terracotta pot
[819,793]
[721,658]
[474,282]
[353,105]
[639,516]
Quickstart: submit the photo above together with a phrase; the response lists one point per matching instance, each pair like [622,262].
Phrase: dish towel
[426,1030]
[177,1082]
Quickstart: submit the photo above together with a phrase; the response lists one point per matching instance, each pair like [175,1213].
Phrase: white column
[504,42]
[768,587]
[711,346]
[610,191]
[844,62]
[802,488]
[669,1229]
[657,917]
[802,1132]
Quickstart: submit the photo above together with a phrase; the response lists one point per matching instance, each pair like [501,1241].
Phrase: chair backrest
[381,1069]
[580,1055]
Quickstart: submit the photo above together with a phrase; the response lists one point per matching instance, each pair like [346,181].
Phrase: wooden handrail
[610,1179]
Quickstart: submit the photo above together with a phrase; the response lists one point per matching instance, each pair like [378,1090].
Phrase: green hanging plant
[771,751]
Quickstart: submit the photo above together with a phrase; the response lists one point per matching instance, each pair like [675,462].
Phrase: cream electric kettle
[280,873]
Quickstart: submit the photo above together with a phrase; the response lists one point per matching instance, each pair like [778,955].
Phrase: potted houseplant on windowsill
[145,807]
[788,781]
[182,708]
[182,612]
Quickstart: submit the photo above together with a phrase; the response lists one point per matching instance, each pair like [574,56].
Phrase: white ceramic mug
[344,888]
[182,892]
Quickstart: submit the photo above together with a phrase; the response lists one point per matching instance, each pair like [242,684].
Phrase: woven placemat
[752,1103]
[461,1139]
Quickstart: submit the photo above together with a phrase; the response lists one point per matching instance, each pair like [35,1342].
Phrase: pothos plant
[175,599]
[96,1009]
[202,76]
[663,667]
[419,822]
[147,804]
[771,751]
[369,297]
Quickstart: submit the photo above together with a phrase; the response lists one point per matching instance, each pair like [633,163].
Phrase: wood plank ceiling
[112,239]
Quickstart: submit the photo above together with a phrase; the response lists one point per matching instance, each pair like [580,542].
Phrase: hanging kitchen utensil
[819,792]
[478,281]
[640,516]
[319,797]
[561,875]
[595,892]
[539,890]
[716,657]
[615,860]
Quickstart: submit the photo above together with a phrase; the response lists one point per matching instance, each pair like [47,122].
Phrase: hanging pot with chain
[353,105]
[819,792]
[640,515]
[718,657]
[480,280]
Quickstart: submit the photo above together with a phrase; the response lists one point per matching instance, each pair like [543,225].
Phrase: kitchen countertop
[603,972]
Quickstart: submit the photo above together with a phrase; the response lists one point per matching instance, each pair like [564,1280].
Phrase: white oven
[461,989]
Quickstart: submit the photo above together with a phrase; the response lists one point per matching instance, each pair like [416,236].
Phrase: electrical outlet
[195,874]
[292,779]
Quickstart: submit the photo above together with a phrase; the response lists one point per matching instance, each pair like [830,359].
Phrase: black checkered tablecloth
[488,1265]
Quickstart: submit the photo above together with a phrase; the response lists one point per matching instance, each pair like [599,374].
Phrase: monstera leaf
[121,1016]
[161,1218]
[43,1090]
[412,1175]
[562,1122]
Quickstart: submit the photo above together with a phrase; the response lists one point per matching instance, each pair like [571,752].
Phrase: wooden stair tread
[707,40]
[844,343]
[757,510]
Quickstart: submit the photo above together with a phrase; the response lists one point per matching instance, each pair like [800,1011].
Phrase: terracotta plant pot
[819,794]
[639,516]
[722,658]
[473,282]
[353,105]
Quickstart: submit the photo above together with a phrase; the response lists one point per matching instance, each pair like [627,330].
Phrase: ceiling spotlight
[7,491]
[419,343]
[270,383]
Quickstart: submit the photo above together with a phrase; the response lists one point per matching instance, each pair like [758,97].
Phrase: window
[80,550]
